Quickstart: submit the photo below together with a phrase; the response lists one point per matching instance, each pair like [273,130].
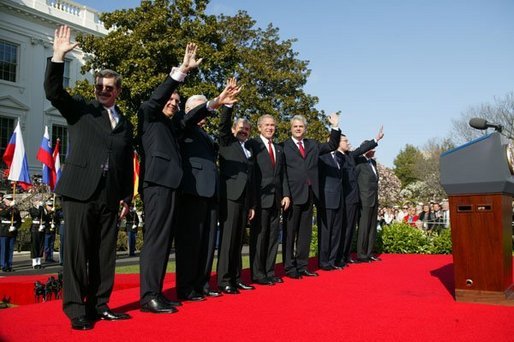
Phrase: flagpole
[13,197]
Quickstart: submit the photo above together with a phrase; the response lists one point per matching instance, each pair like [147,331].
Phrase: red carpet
[402,298]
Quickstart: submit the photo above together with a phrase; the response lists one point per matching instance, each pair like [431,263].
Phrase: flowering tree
[389,187]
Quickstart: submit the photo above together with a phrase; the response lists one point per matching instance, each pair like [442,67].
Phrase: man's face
[297,129]
[267,128]
[437,207]
[241,131]
[106,91]
[370,154]
[172,106]
[344,145]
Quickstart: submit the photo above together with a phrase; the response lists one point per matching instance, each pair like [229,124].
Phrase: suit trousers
[6,251]
[367,232]
[349,224]
[330,223]
[195,241]
[233,218]
[264,236]
[90,254]
[159,207]
[298,226]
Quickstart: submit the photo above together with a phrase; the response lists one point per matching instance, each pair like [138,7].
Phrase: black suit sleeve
[69,106]
[332,144]
[158,99]
[364,147]
[225,129]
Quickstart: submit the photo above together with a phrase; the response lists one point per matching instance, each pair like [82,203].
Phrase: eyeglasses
[101,87]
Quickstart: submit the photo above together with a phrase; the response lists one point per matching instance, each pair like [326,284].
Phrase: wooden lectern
[478,178]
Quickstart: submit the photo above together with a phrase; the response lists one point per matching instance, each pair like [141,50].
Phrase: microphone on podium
[479,123]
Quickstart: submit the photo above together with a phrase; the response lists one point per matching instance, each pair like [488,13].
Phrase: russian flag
[45,156]
[57,161]
[16,159]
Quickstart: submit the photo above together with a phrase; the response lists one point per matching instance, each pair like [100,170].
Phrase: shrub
[402,238]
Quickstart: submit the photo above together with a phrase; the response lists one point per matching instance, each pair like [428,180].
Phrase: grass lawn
[171,265]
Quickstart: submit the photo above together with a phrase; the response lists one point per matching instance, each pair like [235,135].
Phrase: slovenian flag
[16,159]
[57,161]
[45,156]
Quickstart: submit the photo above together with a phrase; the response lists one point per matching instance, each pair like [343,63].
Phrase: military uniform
[10,221]
[132,221]
[50,230]
[40,220]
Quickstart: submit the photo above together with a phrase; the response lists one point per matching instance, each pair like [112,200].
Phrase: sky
[412,66]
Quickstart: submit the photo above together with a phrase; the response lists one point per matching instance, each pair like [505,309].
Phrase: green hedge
[401,238]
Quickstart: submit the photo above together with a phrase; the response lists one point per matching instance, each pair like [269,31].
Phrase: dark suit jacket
[350,185]
[199,155]
[235,168]
[92,143]
[368,182]
[331,183]
[301,171]
[270,182]
[161,162]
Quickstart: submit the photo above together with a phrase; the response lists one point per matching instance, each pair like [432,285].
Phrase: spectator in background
[411,218]
[427,218]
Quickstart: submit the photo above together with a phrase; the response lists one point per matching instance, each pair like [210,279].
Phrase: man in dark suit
[367,178]
[347,160]
[97,179]
[330,210]
[272,194]
[302,157]
[159,130]
[198,215]
[236,199]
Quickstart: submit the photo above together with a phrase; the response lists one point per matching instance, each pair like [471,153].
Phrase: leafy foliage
[145,42]
[402,238]
[405,164]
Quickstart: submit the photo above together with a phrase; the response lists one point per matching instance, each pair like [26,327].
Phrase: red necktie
[302,150]
[271,154]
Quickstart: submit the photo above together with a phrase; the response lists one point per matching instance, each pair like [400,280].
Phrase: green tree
[405,164]
[145,42]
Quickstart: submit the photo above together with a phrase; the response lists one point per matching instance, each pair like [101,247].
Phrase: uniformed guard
[132,222]
[40,219]
[10,221]
[50,230]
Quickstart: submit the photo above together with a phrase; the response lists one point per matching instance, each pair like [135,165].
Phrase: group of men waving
[189,183]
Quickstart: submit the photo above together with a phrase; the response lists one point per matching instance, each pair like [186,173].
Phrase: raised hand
[334,120]
[62,44]
[190,62]
[229,94]
[380,134]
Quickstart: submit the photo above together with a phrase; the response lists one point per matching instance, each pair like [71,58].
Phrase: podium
[478,177]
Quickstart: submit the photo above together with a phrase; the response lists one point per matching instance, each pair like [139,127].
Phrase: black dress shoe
[294,275]
[264,281]
[362,260]
[336,268]
[193,297]
[326,268]
[229,289]
[108,315]
[372,258]
[277,280]
[352,261]
[212,293]
[243,286]
[307,273]
[156,305]
[81,323]
[164,299]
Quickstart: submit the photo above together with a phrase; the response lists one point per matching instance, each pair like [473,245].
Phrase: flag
[16,159]
[136,173]
[45,156]
[57,161]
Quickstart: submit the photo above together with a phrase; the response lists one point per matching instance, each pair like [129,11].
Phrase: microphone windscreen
[478,123]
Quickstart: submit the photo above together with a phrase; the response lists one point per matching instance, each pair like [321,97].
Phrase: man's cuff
[177,75]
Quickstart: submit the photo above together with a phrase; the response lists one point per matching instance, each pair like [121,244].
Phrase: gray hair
[265,116]
[300,118]
[243,120]
[194,98]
